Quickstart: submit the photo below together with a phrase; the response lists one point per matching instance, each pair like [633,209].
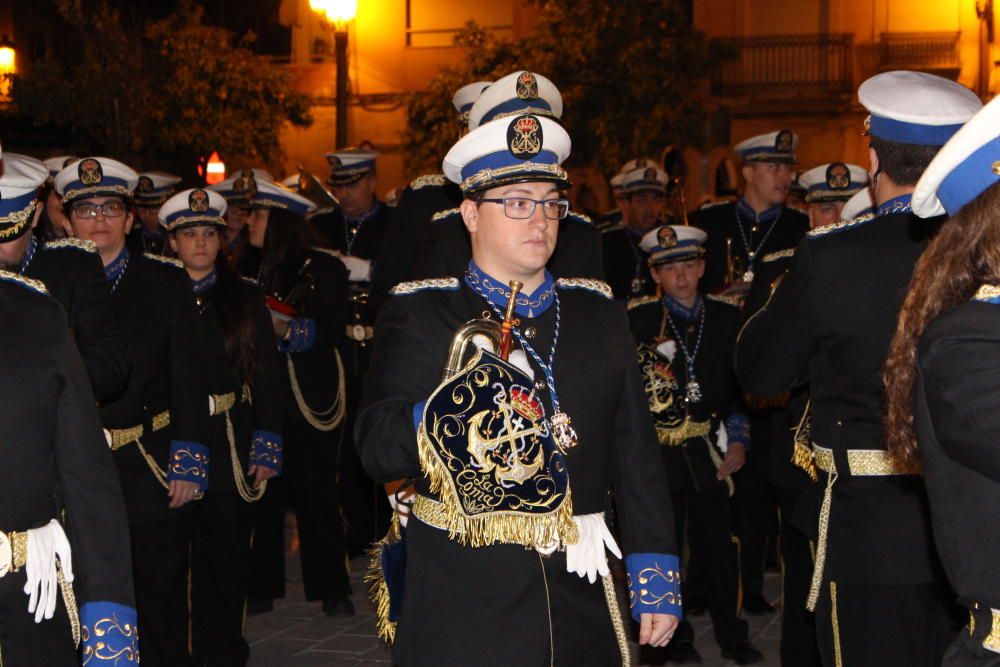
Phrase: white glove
[722,439]
[587,558]
[48,549]
[402,509]
[360,269]
[517,357]
[668,349]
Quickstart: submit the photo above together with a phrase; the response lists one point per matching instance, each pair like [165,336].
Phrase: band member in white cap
[941,377]
[828,188]
[512,456]
[874,554]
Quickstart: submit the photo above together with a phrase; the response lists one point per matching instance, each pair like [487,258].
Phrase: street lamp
[337,13]
[8,66]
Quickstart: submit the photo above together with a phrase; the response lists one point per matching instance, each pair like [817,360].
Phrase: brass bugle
[681,199]
[507,326]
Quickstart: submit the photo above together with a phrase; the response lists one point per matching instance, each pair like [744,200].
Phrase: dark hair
[235,311]
[964,255]
[903,163]
[287,240]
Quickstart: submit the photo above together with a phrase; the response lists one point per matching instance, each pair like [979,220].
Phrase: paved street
[297,633]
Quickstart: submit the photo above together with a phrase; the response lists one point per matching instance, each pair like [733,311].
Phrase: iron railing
[787,65]
[920,50]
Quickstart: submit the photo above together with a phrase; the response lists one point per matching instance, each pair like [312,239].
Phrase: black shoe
[338,606]
[260,607]
[742,652]
[694,605]
[757,606]
[683,652]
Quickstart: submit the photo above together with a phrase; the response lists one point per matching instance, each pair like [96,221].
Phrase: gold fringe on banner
[687,430]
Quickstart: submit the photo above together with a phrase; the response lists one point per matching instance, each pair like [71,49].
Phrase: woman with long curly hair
[942,378]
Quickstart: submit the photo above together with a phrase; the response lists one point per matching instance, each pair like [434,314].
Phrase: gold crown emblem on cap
[524,137]
[90,171]
[198,201]
[246,183]
[649,174]
[527,86]
[666,238]
[783,142]
[334,162]
[838,176]
[145,184]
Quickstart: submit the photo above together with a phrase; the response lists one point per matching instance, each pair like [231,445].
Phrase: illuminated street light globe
[337,12]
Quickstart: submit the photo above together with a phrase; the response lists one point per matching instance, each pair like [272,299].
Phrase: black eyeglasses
[110,209]
[522,208]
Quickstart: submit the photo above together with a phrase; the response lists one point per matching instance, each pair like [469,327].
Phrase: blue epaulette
[445,214]
[428,180]
[988,294]
[169,261]
[840,226]
[414,286]
[28,283]
[71,242]
[589,284]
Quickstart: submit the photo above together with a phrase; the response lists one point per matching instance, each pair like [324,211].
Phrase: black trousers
[798,624]
[704,516]
[754,507]
[24,643]
[366,515]
[267,553]
[967,650]
[220,576]
[160,552]
[877,626]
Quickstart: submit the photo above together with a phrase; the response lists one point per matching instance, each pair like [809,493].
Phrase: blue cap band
[504,158]
[911,133]
[534,104]
[970,179]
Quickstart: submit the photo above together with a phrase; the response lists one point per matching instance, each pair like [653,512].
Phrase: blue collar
[746,210]
[528,305]
[901,204]
[116,268]
[204,284]
[364,217]
[28,255]
[680,310]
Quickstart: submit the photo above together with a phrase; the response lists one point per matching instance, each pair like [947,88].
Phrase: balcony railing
[934,51]
[787,65]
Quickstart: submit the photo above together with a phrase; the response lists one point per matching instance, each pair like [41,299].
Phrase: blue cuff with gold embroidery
[188,463]
[108,634]
[738,429]
[265,450]
[301,335]
[654,584]
[418,413]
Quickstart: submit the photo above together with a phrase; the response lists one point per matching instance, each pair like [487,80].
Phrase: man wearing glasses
[71,272]
[535,444]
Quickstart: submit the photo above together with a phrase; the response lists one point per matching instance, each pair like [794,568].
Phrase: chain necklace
[351,232]
[693,388]
[30,255]
[562,426]
[751,254]
[121,274]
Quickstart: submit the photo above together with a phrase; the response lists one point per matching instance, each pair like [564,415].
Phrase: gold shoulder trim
[840,226]
[72,242]
[775,256]
[589,284]
[250,281]
[326,251]
[580,216]
[426,180]
[724,298]
[318,211]
[414,286]
[713,204]
[611,228]
[987,293]
[641,301]
[30,283]
[165,260]
[441,215]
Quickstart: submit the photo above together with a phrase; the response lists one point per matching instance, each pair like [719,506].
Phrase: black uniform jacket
[830,323]
[317,283]
[719,222]
[450,587]
[625,263]
[713,368]
[71,270]
[156,311]
[55,456]
[577,253]
[957,421]
[140,243]
[407,239]
[263,409]
[367,243]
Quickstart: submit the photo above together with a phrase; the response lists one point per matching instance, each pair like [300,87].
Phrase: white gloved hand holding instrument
[48,553]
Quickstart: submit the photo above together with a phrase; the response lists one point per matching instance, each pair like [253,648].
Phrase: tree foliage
[633,75]
[179,88]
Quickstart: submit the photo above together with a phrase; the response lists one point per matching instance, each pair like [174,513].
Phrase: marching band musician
[533,445]
[157,424]
[828,188]
[245,441]
[152,190]
[237,210]
[307,295]
[53,224]
[941,377]
[684,349]
[65,573]
[874,555]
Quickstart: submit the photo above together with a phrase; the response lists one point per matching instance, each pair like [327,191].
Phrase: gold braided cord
[824,525]
[19,548]
[491,527]
[592,284]
[611,597]
[823,231]
[330,418]
[69,599]
[835,621]
[486,176]
[70,195]
[158,472]
[247,492]
[36,285]
[992,640]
